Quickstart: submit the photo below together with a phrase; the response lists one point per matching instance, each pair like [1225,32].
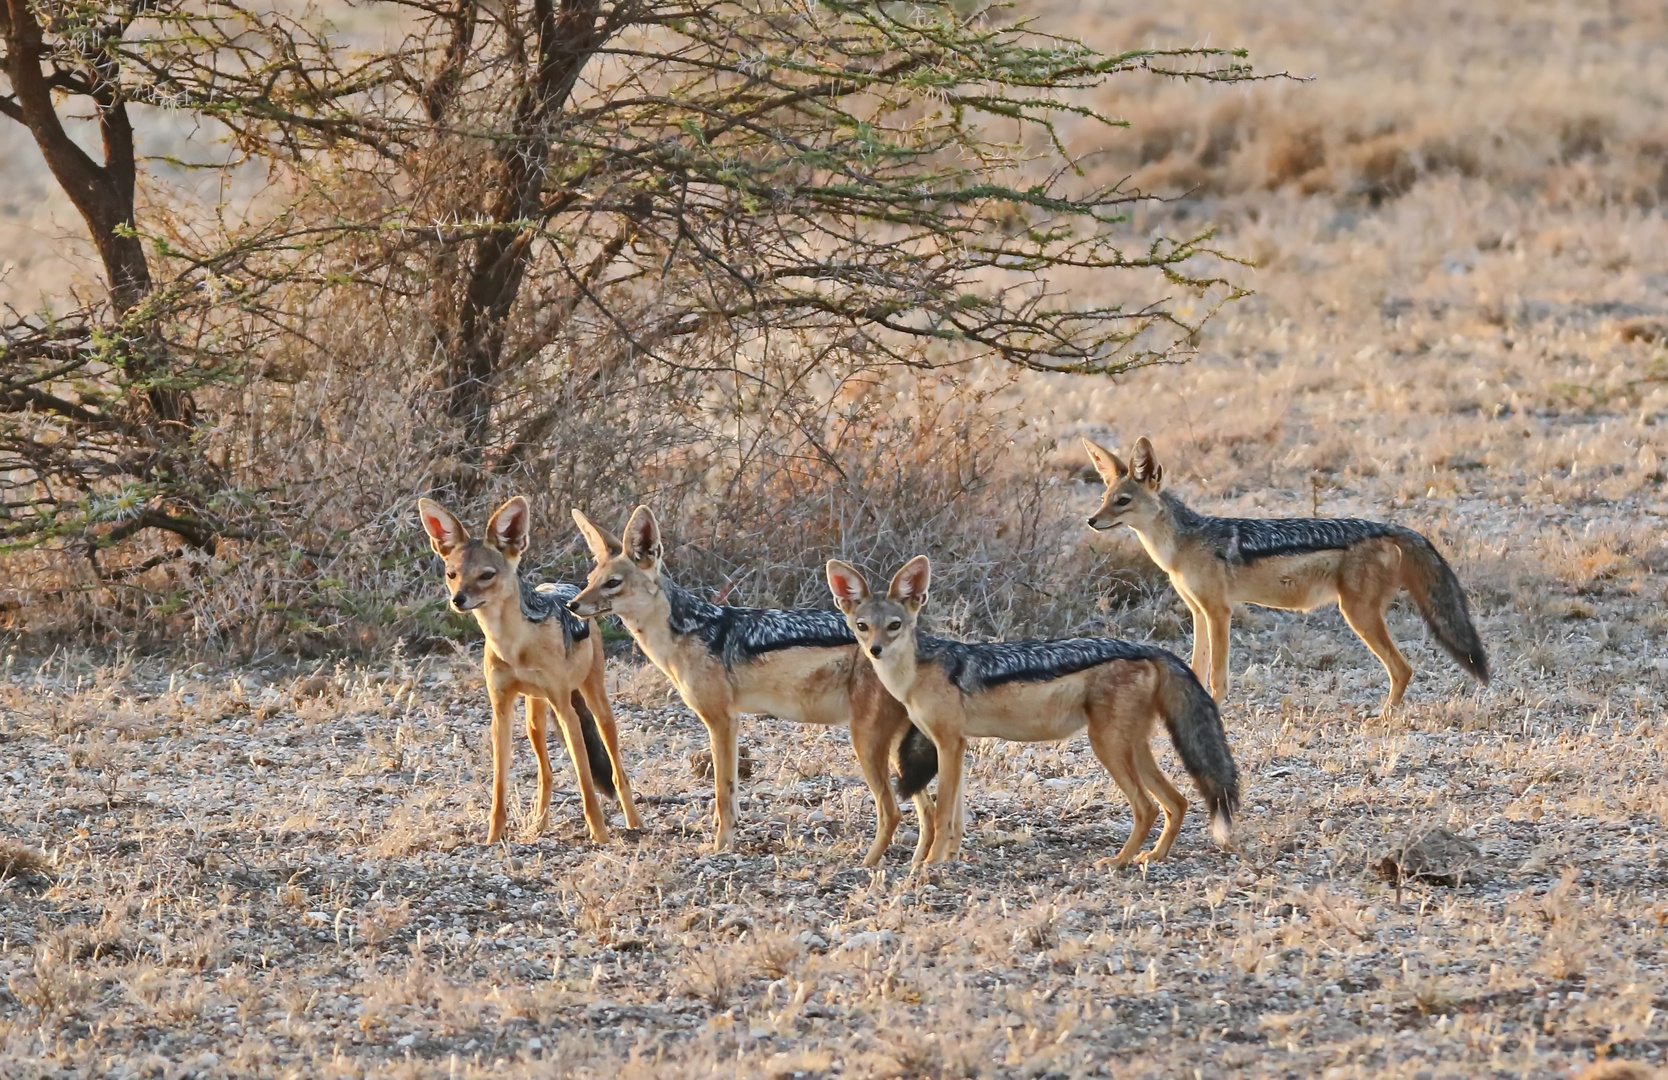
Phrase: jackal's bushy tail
[602,766]
[917,762]
[1436,592]
[1201,743]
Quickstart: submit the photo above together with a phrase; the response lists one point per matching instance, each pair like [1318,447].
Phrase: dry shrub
[872,466]
[1368,129]
[709,974]
[641,685]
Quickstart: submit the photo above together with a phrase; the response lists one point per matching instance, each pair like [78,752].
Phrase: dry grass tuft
[20,861]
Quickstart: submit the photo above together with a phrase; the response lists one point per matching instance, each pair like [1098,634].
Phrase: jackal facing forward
[537,650]
[1039,691]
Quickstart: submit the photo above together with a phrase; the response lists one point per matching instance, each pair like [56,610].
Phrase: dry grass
[285,895]
[247,872]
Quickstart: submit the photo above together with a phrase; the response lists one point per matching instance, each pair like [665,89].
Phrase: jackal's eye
[612,583]
[1121,500]
[451,575]
[487,575]
[894,624]
[862,628]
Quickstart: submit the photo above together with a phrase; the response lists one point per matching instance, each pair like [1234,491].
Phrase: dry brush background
[1460,324]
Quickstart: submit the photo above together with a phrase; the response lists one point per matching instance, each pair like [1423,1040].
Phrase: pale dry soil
[264,872]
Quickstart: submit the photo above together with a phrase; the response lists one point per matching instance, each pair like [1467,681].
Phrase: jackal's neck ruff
[1162,530]
[648,619]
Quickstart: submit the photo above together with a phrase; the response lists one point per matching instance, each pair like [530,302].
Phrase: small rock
[700,763]
[813,940]
[406,1040]
[866,939]
[1438,857]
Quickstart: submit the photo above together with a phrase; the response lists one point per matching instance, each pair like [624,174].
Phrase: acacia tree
[98,414]
[576,184]
[741,196]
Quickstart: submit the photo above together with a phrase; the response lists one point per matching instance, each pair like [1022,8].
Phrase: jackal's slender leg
[1200,663]
[538,726]
[595,692]
[503,713]
[947,818]
[574,735]
[874,747]
[926,814]
[1365,615]
[1114,752]
[1219,619]
[1173,802]
[721,736]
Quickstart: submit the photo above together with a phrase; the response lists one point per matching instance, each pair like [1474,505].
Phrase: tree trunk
[567,36]
[103,194]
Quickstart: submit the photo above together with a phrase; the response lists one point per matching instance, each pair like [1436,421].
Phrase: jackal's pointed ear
[642,538]
[849,586]
[1106,463]
[446,533]
[508,527]
[604,545]
[1143,463]
[909,584]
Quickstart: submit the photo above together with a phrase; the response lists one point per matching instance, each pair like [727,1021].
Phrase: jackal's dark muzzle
[874,650]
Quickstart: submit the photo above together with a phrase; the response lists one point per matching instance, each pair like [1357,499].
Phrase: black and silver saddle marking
[739,634]
[975,666]
[1246,540]
[540,602]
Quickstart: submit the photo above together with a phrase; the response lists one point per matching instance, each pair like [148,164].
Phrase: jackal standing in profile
[1297,564]
[538,650]
[1041,691]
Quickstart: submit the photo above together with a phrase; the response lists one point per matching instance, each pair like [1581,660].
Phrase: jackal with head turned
[798,665]
[1297,564]
[537,650]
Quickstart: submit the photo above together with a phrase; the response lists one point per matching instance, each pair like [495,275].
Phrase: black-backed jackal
[725,661]
[1039,691]
[1298,564]
[537,650]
